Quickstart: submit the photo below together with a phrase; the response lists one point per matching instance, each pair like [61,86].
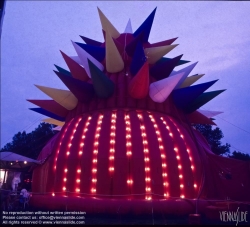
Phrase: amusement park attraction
[126,141]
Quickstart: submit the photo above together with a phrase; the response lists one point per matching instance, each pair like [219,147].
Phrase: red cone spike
[52,106]
[139,85]
[77,71]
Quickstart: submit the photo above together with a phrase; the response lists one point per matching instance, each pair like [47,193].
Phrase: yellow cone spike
[190,80]
[53,121]
[107,26]
[155,53]
[63,97]
[114,62]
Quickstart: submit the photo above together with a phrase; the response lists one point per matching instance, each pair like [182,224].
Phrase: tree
[30,144]
[213,137]
[240,156]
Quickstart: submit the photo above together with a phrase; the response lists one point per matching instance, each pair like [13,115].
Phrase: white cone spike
[84,56]
[186,72]
[160,90]
[128,28]
[209,113]
[76,59]
[57,128]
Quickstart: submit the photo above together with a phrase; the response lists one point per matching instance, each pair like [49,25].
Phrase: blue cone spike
[104,87]
[82,90]
[97,52]
[63,71]
[131,47]
[162,70]
[181,62]
[146,27]
[202,100]
[138,59]
[47,113]
[91,41]
[184,96]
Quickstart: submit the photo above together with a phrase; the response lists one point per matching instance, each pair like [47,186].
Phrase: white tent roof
[13,157]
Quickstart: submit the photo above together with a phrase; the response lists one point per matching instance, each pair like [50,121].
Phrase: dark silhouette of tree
[213,137]
[30,144]
[240,156]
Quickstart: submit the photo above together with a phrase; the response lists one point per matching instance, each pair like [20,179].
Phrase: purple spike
[91,41]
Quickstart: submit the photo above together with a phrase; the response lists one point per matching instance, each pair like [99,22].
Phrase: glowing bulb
[179,166]
[111,169]
[147,179]
[72,137]
[78,180]
[95,151]
[94,180]
[65,170]
[99,122]
[147,169]
[155,125]
[195,185]
[129,153]
[164,165]
[112,150]
[68,153]
[77,190]
[83,137]
[25,162]
[64,188]
[164,174]
[94,170]
[170,134]
[167,127]
[146,159]
[192,167]
[82,144]
[180,176]
[53,194]
[181,185]
[178,157]
[161,147]
[70,145]
[190,158]
[94,160]
[162,155]
[78,171]
[65,179]
[181,136]
[182,196]
[146,150]
[96,143]
[89,118]
[111,157]
[80,152]
[161,118]
[176,149]
[93,190]
[187,150]
[157,132]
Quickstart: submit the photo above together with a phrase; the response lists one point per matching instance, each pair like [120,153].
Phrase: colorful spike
[82,90]
[202,100]
[209,113]
[83,55]
[184,96]
[146,26]
[128,28]
[97,52]
[53,121]
[77,71]
[139,85]
[103,86]
[76,59]
[63,71]
[91,41]
[186,71]
[198,118]
[138,59]
[51,106]
[160,90]
[63,97]
[114,62]
[107,26]
[163,70]
[181,62]
[190,80]
[131,47]
[155,53]
[162,43]
[47,113]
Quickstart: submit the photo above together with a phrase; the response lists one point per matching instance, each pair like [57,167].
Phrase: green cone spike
[104,87]
[63,71]
[202,100]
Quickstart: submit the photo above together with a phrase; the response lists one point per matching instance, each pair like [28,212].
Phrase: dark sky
[214,33]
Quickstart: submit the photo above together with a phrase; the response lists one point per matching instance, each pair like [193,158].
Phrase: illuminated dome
[126,133]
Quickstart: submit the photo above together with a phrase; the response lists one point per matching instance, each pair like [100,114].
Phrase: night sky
[216,34]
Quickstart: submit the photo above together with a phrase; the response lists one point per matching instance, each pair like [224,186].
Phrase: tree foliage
[213,137]
[240,156]
[30,144]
